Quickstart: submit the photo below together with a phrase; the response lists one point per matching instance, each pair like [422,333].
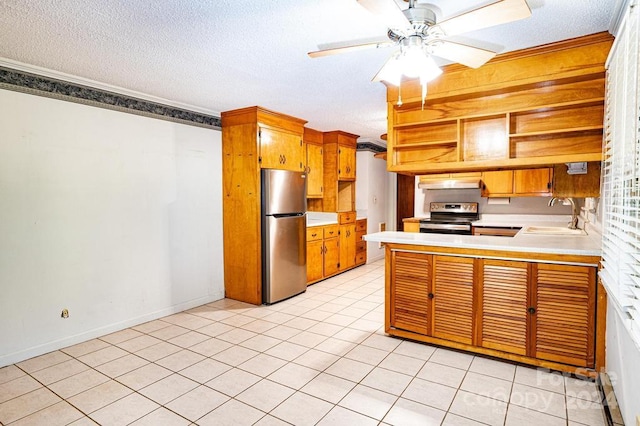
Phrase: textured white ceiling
[217,55]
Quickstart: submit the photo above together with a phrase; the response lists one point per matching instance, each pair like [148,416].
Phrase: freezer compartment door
[284,257]
[283,191]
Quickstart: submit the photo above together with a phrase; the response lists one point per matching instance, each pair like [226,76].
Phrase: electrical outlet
[65,313]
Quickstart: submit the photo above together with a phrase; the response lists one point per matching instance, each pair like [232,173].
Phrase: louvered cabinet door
[504,295]
[564,325]
[453,301]
[411,286]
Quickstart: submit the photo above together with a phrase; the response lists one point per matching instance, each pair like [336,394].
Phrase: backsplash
[517,205]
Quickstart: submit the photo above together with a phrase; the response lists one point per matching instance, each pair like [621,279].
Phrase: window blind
[621,174]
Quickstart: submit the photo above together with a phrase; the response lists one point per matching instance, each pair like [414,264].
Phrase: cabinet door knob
[430,295]
[531,310]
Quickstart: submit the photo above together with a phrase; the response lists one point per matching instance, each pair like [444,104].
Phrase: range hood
[469,183]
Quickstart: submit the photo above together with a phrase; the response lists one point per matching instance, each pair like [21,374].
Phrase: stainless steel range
[450,218]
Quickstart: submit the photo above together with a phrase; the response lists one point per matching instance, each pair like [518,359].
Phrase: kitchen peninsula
[530,298]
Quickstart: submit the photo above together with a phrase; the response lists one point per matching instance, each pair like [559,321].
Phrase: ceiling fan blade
[388,11]
[470,56]
[345,49]
[496,13]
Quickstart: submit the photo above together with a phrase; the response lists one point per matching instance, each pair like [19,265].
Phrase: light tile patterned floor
[319,358]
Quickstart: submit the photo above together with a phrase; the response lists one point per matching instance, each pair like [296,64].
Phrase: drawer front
[361,225]
[331,231]
[346,218]
[314,233]
[361,246]
[361,257]
[359,236]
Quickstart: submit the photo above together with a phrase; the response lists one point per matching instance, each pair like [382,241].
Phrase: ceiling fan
[420,37]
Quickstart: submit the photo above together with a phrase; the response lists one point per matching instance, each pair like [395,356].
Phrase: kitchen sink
[553,230]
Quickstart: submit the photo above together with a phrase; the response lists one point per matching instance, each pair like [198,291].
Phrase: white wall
[372,196]
[623,365]
[113,216]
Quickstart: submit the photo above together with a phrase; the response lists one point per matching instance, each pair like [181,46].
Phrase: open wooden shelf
[559,132]
[534,108]
[426,144]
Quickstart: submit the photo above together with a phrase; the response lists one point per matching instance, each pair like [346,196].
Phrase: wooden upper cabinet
[315,163]
[497,184]
[533,181]
[453,301]
[315,172]
[578,185]
[531,108]
[281,150]
[346,163]
[339,186]
[518,183]
[343,146]
[410,307]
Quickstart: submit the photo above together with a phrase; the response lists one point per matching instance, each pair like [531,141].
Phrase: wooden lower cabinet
[315,260]
[347,246]
[503,317]
[411,292]
[453,298]
[564,304]
[361,244]
[331,256]
[533,312]
[323,252]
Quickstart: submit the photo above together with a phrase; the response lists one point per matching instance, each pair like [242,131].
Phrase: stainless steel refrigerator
[284,236]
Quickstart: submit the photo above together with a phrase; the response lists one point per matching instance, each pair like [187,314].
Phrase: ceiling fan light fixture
[391,71]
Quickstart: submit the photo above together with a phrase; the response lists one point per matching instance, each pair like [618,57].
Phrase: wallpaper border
[19,81]
[369,146]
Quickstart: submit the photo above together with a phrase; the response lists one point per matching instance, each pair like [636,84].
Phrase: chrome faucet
[573,224]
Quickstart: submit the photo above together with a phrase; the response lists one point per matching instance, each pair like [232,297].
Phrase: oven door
[445,228]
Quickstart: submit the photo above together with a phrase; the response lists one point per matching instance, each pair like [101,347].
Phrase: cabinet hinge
[259,133]
[321,152]
[259,159]
[300,142]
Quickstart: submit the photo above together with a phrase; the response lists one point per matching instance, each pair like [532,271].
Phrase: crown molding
[618,15]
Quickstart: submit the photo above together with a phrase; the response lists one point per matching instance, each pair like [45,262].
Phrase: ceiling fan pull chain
[424,93]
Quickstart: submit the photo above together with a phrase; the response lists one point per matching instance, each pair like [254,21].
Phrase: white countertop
[585,245]
[322,222]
